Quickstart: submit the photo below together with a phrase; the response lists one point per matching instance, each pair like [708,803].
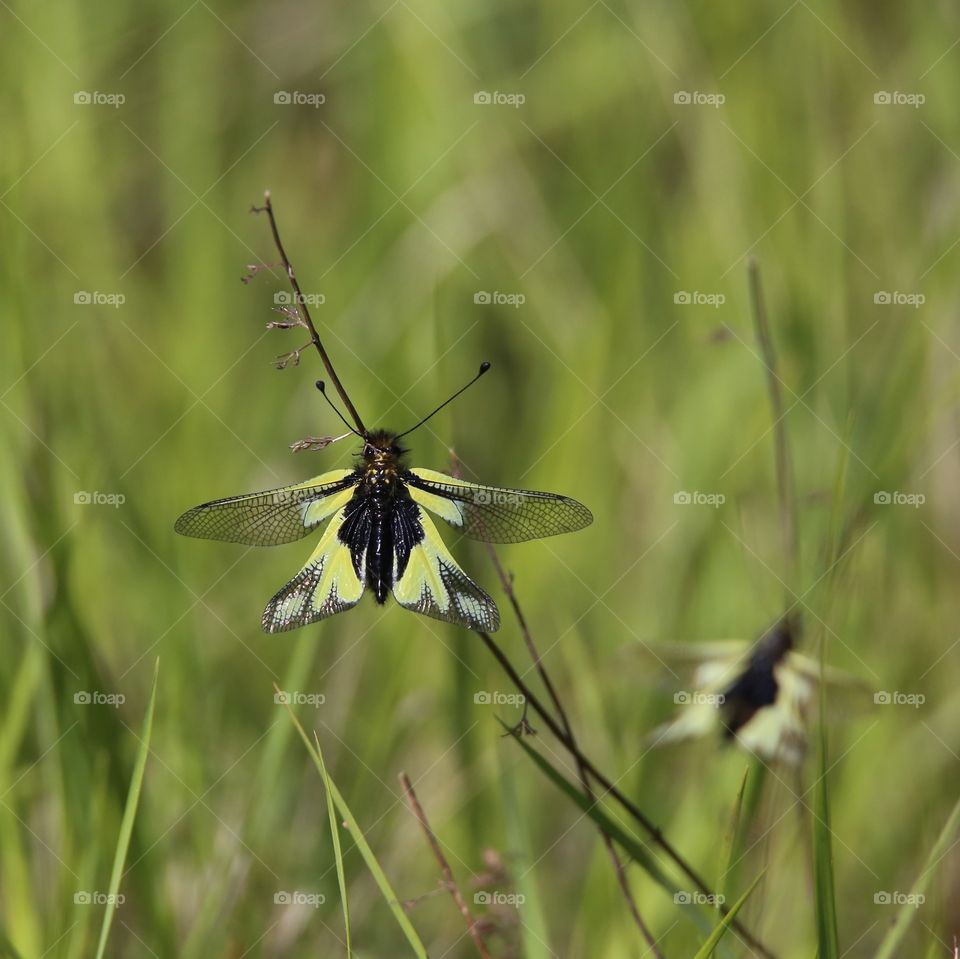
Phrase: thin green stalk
[129,815]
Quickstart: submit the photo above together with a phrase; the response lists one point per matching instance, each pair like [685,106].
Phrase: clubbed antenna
[484,366]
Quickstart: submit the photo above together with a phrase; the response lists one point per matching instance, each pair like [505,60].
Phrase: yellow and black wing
[332,580]
[271,517]
[427,579]
[494,514]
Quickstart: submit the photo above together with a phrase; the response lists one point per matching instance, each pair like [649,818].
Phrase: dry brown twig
[506,581]
[609,787]
[448,877]
[301,307]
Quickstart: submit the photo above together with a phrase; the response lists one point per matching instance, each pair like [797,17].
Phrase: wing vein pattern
[496,514]
[273,516]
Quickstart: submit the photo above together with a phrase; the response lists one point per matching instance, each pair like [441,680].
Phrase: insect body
[376,533]
[379,535]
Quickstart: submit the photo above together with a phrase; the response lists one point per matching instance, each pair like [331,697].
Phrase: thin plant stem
[449,880]
[585,768]
[507,584]
[304,313]
[786,490]
[654,831]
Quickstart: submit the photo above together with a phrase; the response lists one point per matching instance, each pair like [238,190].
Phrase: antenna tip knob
[320,385]
[484,366]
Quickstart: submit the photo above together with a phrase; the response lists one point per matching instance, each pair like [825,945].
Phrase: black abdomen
[380,550]
[381,527]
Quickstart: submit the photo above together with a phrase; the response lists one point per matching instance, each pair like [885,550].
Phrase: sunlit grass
[603,386]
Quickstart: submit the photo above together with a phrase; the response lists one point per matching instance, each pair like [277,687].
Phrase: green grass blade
[337,851]
[828,940]
[17,715]
[534,930]
[890,946]
[129,814]
[264,816]
[824,881]
[7,949]
[24,925]
[386,890]
[631,845]
[730,854]
[731,840]
[837,512]
[706,950]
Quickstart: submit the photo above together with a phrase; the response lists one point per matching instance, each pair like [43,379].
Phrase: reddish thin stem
[304,313]
[449,880]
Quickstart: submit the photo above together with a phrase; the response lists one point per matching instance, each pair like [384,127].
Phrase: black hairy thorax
[382,524]
[380,467]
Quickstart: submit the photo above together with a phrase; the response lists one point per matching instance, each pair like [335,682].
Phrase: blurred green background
[623,217]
